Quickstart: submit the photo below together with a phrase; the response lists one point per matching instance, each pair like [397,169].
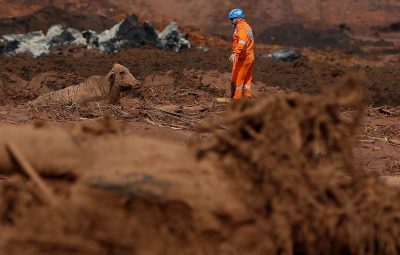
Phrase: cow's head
[121,81]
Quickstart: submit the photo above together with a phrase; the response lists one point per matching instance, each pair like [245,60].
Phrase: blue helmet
[236,13]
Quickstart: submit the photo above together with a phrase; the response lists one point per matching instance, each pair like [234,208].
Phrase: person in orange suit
[242,56]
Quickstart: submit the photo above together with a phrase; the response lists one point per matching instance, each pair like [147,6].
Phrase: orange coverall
[242,71]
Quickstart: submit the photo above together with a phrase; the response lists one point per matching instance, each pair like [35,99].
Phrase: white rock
[107,35]
[171,38]
[34,43]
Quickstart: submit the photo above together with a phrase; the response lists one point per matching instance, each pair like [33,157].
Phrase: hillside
[210,17]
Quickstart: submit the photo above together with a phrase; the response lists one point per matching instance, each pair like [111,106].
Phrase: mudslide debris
[291,156]
[126,34]
[279,179]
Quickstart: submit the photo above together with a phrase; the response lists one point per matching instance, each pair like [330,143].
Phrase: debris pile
[126,34]
[172,39]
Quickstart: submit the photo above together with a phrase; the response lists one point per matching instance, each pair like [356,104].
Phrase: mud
[360,16]
[394,27]
[295,153]
[46,17]
[148,188]
[303,76]
[308,166]
[14,88]
[296,35]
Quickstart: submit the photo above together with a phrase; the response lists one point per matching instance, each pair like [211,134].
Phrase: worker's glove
[233,58]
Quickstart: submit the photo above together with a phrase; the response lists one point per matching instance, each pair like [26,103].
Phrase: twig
[385,139]
[189,93]
[47,195]
[10,122]
[223,100]
[366,141]
[376,108]
[180,119]
[169,112]
[382,110]
[147,120]
[161,125]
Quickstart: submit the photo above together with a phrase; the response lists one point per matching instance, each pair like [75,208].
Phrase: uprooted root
[292,158]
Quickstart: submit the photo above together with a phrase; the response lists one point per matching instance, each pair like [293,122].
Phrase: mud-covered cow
[97,87]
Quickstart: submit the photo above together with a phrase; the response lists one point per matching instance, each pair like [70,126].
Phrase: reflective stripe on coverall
[242,71]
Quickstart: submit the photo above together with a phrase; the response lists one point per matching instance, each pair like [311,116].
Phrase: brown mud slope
[280,179]
[296,35]
[211,15]
[302,76]
[44,18]
[19,8]
[141,62]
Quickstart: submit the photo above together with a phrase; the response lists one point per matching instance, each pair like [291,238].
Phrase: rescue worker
[242,56]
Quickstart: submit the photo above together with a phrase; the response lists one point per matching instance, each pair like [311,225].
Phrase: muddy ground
[147,183]
[316,70]
[189,82]
[140,177]
[311,165]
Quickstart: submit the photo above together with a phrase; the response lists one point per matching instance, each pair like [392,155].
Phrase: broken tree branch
[47,195]
[385,139]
